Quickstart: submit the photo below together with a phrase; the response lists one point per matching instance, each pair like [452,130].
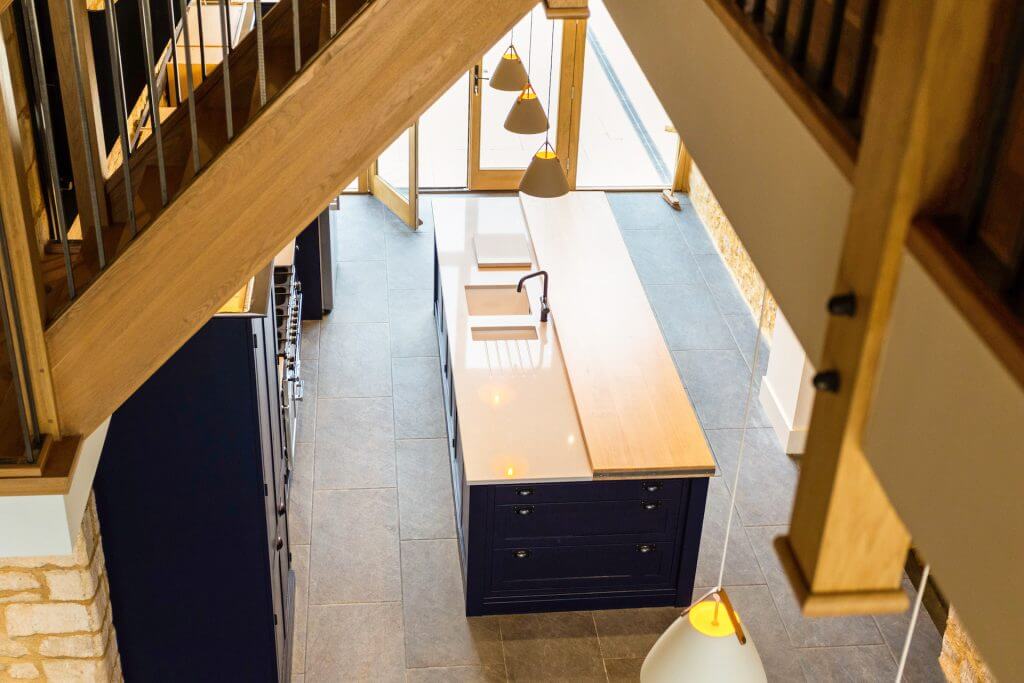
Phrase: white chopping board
[497,250]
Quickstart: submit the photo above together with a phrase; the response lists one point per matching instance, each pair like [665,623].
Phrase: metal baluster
[803,33]
[225,38]
[35,54]
[154,108]
[87,137]
[295,35]
[851,108]
[191,86]
[779,27]
[333,12]
[756,10]
[29,429]
[835,31]
[202,41]
[261,67]
[174,52]
[114,47]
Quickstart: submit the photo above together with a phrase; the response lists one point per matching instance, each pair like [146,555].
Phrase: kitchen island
[579,468]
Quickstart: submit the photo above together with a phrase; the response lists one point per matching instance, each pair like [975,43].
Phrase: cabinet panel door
[648,565]
[564,523]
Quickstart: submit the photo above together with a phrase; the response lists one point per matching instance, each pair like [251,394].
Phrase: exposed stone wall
[960,660]
[729,245]
[55,622]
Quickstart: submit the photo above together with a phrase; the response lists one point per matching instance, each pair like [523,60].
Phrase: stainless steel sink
[504,333]
[496,300]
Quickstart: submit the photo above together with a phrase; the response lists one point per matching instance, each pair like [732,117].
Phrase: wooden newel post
[847,545]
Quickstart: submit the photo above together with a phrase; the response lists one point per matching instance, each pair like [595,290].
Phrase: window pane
[393,164]
[623,141]
[444,139]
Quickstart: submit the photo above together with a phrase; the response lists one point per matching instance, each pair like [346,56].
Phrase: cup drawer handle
[650,505]
[644,548]
[521,554]
[652,486]
[279,543]
[524,492]
[523,510]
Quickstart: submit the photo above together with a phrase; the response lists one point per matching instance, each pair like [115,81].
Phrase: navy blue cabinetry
[192,495]
[539,547]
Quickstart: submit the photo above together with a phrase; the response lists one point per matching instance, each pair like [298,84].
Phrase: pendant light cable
[743,434]
[529,50]
[551,71]
[913,622]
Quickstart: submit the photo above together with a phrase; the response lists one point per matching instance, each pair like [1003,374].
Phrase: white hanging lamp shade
[704,646]
[526,117]
[545,176]
[510,74]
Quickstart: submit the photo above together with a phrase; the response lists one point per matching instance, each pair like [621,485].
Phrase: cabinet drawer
[631,489]
[645,564]
[656,519]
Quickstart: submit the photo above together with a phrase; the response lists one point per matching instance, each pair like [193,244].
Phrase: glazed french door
[497,158]
[394,179]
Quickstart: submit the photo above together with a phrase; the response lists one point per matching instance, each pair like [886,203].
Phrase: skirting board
[793,440]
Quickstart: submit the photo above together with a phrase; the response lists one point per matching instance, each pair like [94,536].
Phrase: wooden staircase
[251,194]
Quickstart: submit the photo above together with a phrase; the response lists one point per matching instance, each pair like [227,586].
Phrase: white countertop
[517,416]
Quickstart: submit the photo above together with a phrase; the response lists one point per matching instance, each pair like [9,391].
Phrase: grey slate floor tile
[767,477]
[741,566]
[300,564]
[354,555]
[623,670]
[852,664]
[722,285]
[305,424]
[633,210]
[410,260]
[360,238]
[694,232]
[717,383]
[454,674]
[355,444]
[309,349]
[689,318]
[355,361]
[360,293]
[743,327]
[757,611]
[631,633]
[437,631]
[551,646]
[804,632]
[355,643]
[925,646]
[426,508]
[412,323]
[661,257]
[419,411]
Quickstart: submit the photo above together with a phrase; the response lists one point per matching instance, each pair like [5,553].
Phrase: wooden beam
[25,279]
[566,9]
[684,166]
[261,191]
[847,540]
[84,122]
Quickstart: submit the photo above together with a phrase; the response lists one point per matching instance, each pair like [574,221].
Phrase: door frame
[567,127]
[389,196]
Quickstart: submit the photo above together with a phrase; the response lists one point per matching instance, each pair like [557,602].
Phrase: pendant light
[707,643]
[545,177]
[527,117]
[510,74]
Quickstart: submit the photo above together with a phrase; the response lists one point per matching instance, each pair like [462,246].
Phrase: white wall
[786,392]
[945,435]
[783,194]
[33,526]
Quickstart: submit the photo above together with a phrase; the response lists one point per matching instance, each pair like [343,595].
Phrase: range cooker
[287,316]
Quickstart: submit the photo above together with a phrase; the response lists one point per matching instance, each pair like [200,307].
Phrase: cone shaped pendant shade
[702,647]
[545,176]
[526,116]
[510,74]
